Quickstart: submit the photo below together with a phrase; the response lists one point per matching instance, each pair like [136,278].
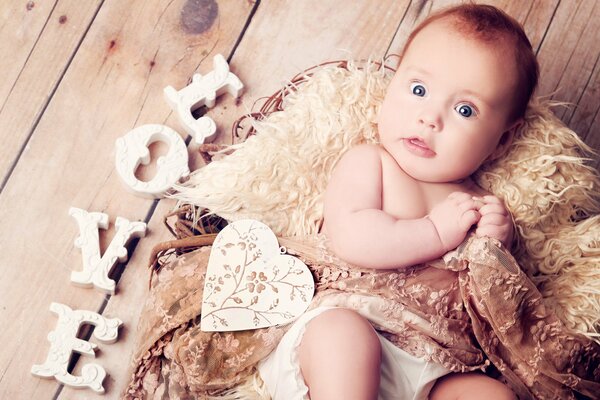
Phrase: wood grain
[43,38]
[131,52]
[568,59]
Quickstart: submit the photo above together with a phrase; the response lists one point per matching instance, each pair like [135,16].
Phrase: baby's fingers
[493,208]
[490,199]
[468,204]
[493,231]
[468,219]
[493,219]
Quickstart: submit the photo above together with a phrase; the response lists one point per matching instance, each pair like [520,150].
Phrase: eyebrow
[465,92]
[476,96]
[419,70]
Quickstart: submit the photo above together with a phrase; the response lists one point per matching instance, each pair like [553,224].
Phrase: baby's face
[448,104]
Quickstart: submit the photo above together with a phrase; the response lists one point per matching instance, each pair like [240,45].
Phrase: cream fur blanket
[279,176]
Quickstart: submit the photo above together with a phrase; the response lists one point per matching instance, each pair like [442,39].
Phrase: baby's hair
[489,24]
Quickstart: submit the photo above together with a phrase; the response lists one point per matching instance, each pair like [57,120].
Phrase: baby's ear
[505,140]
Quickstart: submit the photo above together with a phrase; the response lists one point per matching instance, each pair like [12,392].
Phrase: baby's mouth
[418,142]
[418,146]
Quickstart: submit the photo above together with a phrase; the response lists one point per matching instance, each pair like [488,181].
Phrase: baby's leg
[472,385]
[340,357]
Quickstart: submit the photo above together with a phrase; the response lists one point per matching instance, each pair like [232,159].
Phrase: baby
[460,92]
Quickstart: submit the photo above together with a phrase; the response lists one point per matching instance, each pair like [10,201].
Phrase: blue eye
[417,89]
[465,110]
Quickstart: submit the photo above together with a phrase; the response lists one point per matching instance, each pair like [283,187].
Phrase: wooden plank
[21,25]
[586,118]
[279,42]
[359,31]
[131,52]
[569,65]
[38,41]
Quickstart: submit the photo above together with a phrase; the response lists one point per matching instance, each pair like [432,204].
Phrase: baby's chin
[422,174]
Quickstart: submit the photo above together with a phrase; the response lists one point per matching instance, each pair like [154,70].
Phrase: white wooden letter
[132,150]
[203,91]
[63,341]
[95,268]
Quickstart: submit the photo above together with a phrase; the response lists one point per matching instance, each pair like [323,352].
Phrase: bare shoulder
[356,180]
[363,153]
[361,159]
[359,167]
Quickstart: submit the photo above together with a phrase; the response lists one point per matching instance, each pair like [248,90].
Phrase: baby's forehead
[452,28]
[446,36]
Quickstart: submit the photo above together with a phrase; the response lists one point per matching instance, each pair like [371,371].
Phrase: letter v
[95,268]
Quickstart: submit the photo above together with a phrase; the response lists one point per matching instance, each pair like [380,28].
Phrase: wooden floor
[77,75]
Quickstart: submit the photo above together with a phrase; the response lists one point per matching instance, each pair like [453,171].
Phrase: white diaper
[403,377]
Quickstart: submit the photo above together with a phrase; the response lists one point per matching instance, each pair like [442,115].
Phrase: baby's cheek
[457,166]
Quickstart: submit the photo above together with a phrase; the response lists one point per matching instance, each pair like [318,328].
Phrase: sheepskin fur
[280,174]
[554,199]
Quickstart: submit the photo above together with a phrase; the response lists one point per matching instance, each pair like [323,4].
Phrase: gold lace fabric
[472,309]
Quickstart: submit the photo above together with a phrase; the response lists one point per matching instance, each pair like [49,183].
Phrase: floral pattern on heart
[250,283]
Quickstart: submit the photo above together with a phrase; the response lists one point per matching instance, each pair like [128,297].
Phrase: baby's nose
[431,120]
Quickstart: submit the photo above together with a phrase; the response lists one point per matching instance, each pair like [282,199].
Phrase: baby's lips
[419,141]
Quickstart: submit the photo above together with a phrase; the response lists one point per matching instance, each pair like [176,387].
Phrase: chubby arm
[362,234]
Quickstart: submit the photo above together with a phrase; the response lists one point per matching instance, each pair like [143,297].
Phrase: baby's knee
[337,346]
[470,386]
[340,323]
[341,329]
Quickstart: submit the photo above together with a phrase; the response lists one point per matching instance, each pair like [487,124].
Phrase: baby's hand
[454,217]
[495,220]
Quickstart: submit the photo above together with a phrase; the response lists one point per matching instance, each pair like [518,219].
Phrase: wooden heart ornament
[250,283]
